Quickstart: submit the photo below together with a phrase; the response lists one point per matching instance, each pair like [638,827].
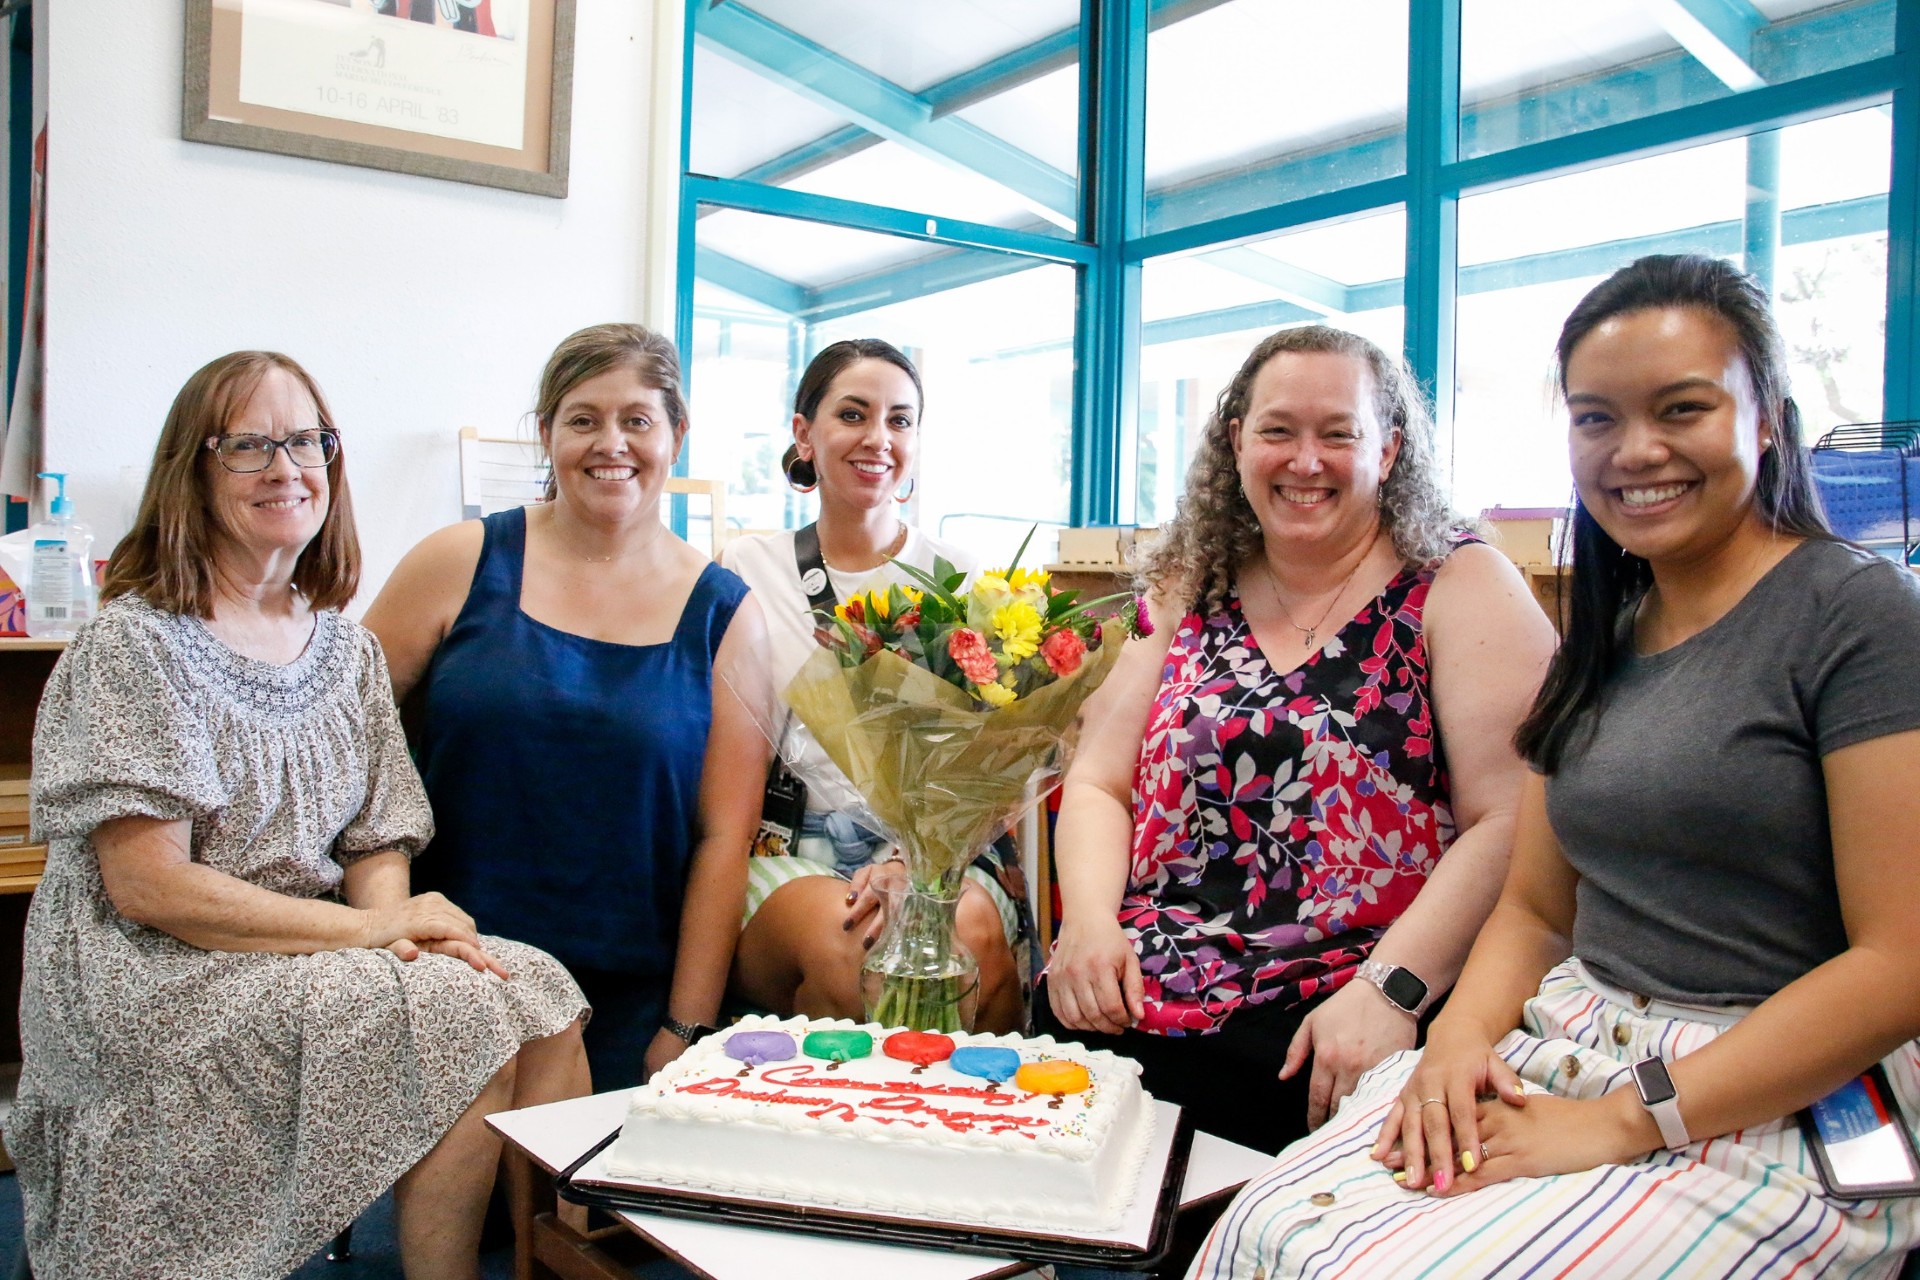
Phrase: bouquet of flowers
[940,704]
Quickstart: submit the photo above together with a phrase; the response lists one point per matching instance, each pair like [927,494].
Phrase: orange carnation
[968,648]
[1063,651]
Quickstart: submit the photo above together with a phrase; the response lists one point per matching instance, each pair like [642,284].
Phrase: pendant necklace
[1307,634]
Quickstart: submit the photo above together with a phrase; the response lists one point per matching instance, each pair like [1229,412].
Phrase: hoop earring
[913,482]
[801,476]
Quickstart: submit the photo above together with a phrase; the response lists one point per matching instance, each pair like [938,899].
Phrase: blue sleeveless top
[565,772]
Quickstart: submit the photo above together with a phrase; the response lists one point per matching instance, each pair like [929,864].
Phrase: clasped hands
[427,922]
[1465,1120]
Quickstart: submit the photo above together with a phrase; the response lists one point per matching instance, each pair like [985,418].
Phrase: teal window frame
[1119,226]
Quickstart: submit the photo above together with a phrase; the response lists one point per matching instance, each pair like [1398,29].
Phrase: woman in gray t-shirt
[1714,869]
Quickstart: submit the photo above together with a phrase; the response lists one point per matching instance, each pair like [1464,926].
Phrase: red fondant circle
[923,1048]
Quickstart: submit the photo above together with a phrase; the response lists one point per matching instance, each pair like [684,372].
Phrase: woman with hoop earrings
[812,914]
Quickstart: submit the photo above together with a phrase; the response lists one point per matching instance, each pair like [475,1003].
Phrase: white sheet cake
[880,1135]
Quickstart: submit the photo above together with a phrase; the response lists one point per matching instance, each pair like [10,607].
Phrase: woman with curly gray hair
[1259,812]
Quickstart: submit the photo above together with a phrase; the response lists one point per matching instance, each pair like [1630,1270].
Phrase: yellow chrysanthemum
[1018,627]
[994,695]
[1021,579]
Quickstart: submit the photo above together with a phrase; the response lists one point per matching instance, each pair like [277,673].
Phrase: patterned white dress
[220,1114]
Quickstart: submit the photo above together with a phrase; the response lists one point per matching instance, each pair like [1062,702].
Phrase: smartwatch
[688,1031]
[1661,1100]
[1404,989]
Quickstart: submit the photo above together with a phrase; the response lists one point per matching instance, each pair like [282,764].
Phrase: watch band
[687,1031]
[1662,1101]
[1384,976]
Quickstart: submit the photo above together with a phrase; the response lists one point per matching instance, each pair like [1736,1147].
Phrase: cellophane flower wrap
[940,702]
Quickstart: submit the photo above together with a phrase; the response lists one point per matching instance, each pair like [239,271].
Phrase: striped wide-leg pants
[1748,1204]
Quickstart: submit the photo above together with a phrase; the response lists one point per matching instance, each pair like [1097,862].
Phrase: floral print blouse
[1281,820]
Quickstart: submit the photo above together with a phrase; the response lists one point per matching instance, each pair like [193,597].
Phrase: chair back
[500,472]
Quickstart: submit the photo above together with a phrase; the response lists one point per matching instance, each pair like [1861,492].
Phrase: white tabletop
[556,1135]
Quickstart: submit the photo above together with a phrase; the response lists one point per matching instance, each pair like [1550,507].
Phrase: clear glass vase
[919,974]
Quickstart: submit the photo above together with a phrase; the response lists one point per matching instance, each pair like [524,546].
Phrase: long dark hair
[1606,580]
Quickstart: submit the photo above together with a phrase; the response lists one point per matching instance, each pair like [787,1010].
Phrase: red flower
[968,648]
[1063,651]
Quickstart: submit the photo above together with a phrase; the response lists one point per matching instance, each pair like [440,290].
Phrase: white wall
[418,305]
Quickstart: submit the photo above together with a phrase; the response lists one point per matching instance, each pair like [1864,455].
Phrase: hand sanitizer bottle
[60,589]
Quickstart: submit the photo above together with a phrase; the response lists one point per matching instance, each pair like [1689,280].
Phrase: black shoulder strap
[813,569]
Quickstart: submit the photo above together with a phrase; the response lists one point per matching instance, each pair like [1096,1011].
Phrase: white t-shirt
[766,562]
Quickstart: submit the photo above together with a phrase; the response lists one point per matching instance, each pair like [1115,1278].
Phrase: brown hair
[1214,530]
[167,557]
[593,351]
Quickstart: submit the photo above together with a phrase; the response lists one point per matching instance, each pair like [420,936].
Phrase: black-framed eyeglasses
[248,453]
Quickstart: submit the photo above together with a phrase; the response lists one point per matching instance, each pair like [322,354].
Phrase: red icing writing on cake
[900,1102]
[802,1075]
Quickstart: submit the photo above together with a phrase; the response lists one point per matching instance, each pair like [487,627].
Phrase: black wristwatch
[688,1031]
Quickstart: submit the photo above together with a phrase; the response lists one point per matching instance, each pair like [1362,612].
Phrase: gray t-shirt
[1696,812]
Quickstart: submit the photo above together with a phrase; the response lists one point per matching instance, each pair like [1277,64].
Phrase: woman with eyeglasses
[595,792]
[239,1025]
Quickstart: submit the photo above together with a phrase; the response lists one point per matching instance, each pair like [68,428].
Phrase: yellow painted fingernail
[1400,1176]
[1467,1161]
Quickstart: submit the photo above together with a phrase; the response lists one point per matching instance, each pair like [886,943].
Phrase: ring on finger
[1433,1102]
[1484,1157]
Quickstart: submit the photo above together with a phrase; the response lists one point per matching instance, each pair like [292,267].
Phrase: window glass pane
[1530,71]
[967,109]
[1204,312]
[991,334]
[1258,102]
[1528,254]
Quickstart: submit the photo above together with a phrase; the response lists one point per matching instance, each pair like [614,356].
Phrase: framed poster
[469,90]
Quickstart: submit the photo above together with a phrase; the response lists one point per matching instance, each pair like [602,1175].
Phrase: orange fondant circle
[1052,1077]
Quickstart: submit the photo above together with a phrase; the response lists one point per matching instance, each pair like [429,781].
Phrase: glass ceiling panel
[1537,69]
[741,119]
[920,45]
[1258,102]
[1041,117]
[888,174]
[988,90]
[808,255]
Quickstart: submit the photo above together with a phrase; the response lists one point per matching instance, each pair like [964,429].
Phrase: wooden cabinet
[24,668]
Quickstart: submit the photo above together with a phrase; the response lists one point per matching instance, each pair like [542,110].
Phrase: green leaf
[932,585]
[1015,562]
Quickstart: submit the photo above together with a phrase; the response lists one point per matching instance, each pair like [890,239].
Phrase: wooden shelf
[29,644]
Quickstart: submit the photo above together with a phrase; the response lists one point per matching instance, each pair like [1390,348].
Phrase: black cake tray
[880,1229]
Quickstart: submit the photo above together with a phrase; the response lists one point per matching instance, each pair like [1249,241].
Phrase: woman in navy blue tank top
[568,656]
